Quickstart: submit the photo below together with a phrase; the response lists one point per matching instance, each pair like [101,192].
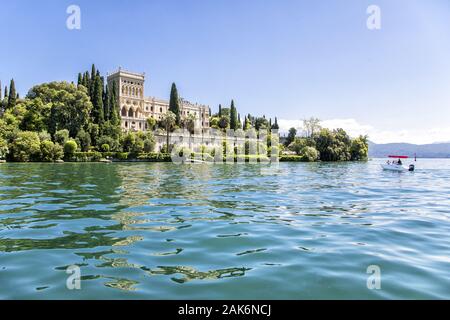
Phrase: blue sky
[291,59]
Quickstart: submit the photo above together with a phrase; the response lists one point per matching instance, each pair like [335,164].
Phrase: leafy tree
[359,149]
[174,104]
[3,148]
[168,121]
[261,124]
[36,116]
[62,136]
[224,122]
[25,147]
[112,143]
[51,151]
[190,123]
[83,139]
[129,142]
[151,123]
[311,126]
[69,106]
[44,136]
[214,122]
[291,136]
[309,154]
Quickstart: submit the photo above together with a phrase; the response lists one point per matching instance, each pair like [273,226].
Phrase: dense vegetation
[81,122]
[59,119]
[326,145]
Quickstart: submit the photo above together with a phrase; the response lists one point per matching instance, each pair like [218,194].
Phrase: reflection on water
[159,230]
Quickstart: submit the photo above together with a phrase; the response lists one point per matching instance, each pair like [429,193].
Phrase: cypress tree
[106,111]
[174,104]
[80,79]
[12,97]
[220,110]
[113,107]
[233,116]
[86,80]
[97,102]
[245,122]
[275,125]
[5,96]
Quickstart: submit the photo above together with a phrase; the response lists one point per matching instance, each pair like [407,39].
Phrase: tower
[130,95]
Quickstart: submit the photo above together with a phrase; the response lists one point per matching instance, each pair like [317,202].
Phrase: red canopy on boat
[399,157]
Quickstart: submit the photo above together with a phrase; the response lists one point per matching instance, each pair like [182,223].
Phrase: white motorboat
[397,165]
[394,167]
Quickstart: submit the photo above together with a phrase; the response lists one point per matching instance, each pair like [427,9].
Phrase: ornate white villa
[135,108]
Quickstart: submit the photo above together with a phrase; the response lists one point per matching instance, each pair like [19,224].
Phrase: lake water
[166,231]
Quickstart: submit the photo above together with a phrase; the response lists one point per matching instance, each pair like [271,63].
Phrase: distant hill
[435,150]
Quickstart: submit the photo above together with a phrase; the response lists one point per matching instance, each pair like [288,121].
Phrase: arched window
[130,113]
[126,124]
[132,91]
[124,112]
[123,89]
[160,110]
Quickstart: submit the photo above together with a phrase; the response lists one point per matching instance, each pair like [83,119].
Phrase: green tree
[12,97]
[69,106]
[311,126]
[25,147]
[224,122]
[275,126]
[83,139]
[51,151]
[61,136]
[97,102]
[114,116]
[3,148]
[106,100]
[151,123]
[291,136]
[309,154]
[80,79]
[233,116]
[359,149]
[36,115]
[174,104]
[190,123]
[168,121]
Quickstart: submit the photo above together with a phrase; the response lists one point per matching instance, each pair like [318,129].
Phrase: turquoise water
[165,231]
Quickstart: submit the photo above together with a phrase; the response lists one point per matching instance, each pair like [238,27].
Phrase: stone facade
[135,108]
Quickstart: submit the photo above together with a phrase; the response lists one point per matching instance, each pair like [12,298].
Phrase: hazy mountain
[435,150]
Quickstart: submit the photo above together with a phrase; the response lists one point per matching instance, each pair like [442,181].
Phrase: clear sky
[291,59]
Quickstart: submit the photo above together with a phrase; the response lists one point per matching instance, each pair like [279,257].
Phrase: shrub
[70,147]
[51,151]
[122,155]
[149,145]
[3,148]
[105,147]
[309,154]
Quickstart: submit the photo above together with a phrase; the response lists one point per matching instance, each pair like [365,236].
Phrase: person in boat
[388,162]
[399,162]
